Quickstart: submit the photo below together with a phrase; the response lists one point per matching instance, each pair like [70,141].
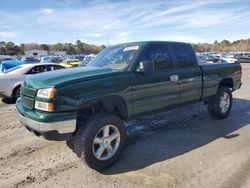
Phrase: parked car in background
[79,57]
[244,58]
[45,59]
[11,80]
[5,58]
[30,59]
[209,59]
[48,59]
[203,59]
[229,58]
[68,63]
[56,60]
[5,65]
[87,59]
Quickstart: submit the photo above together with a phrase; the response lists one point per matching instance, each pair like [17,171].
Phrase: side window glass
[160,56]
[47,68]
[35,70]
[41,69]
[184,55]
[55,67]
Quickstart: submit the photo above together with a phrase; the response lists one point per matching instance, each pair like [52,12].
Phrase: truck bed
[212,74]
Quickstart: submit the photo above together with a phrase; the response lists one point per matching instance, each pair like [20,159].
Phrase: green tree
[44,47]
[11,49]
[70,49]
[22,48]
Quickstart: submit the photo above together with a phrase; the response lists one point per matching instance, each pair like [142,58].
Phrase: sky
[105,21]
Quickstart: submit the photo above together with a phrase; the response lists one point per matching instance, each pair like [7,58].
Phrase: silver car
[11,80]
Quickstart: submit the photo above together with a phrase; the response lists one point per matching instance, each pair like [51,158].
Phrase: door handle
[174,78]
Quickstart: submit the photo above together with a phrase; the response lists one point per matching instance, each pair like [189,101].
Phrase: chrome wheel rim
[106,142]
[224,102]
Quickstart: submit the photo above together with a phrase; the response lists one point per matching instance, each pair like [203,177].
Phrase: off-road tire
[85,134]
[16,93]
[213,106]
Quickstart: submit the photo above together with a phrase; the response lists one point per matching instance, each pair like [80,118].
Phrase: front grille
[28,97]
[30,92]
[27,102]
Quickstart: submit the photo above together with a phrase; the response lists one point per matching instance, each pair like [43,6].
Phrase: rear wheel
[100,142]
[220,105]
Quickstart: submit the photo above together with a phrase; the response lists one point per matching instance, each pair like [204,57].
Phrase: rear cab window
[184,55]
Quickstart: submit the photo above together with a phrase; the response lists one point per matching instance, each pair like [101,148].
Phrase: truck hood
[65,76]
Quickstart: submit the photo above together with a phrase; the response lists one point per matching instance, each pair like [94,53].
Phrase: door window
[44,68]
[160,56]
[36,69]
[56,67]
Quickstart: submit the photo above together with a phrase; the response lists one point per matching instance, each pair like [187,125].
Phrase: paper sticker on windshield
[131,48]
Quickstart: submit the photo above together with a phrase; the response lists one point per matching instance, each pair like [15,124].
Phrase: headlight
[44,106]
[47,93]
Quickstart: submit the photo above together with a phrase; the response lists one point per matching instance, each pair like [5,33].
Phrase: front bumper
[54,130]
[61,127]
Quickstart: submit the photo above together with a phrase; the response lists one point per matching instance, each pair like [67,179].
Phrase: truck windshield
[115,57]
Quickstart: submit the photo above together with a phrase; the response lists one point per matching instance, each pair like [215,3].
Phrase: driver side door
[158,89]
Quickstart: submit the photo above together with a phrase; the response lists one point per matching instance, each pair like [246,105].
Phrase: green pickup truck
[88,105]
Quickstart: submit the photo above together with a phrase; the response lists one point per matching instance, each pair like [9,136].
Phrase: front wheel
[16,93]
[100,141]
[220,105]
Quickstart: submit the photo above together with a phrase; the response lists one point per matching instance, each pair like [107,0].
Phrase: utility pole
[107,38]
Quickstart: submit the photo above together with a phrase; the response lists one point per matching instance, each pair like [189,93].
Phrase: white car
[11,80]
[229,58]
[87,59]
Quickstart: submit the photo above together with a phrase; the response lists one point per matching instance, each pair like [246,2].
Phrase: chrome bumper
[61,127]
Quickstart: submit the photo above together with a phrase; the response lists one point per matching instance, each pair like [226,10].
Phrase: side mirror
[145,67]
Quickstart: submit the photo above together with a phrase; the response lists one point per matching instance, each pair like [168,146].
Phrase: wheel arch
[114,104]
[226,82]
[16,86]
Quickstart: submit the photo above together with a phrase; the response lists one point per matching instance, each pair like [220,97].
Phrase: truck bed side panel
[213,74]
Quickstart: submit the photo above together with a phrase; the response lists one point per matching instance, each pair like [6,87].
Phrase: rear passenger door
[188,72]
[155,90]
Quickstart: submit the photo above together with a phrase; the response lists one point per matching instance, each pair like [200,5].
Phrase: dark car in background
[30,59]
[244,57]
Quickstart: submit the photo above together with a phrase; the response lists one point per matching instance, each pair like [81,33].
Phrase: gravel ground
[180,148]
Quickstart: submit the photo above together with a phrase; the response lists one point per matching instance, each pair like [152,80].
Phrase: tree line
[224,46]
[10,48]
